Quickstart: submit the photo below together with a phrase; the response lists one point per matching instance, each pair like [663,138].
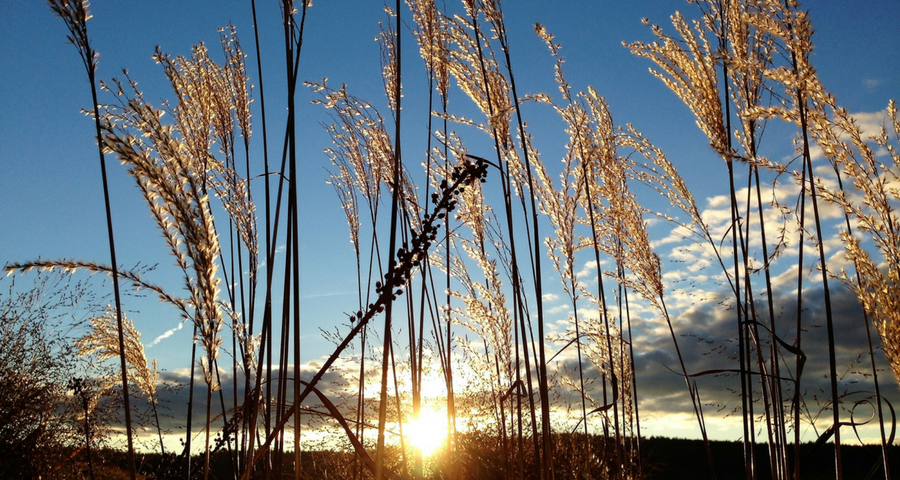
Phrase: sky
[51,203]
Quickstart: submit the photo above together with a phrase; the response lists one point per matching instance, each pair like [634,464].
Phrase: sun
[428,432]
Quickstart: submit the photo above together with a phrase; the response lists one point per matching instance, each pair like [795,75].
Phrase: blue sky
[50,197]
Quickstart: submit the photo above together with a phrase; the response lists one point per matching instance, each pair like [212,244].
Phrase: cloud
[338,384]
[707,334]
[166,335]
[326,294]
[872,83]
[869,123]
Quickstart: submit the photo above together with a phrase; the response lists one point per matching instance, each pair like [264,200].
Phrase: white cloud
[871,83]
[871,122]
[166,335]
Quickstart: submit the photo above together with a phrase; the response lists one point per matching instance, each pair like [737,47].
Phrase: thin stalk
[417,376]
[209,389]
[829,318]
[884,443]
[748,437]
[796,400]
[293,229]
[190,406]
[267,333]
[292,63]
[520,447]
[694,401]
[578,352]
[399,411]
[752,337]
[392,242]
[451,408]
[777,394]
[284,347]
[536,256]
[637,417]
[547,448]
[75,16]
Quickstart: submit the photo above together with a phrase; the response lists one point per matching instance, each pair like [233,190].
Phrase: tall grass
[474,246]
[75,15]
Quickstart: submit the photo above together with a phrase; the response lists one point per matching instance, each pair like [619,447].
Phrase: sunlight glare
[427,433]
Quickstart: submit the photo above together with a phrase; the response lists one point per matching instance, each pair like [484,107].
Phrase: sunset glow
[428,432]
[624,240]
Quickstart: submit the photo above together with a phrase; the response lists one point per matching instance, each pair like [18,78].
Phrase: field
[460,261]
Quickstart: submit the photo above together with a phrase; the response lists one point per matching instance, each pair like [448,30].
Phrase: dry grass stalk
[363,150]
[166,175]
[103,341]
[174,164]
[75,15]
[688,68]
[132,276]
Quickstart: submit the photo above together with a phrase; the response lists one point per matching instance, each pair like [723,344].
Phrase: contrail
[165,335]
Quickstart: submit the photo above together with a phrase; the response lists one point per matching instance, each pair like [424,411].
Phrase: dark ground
[664,459]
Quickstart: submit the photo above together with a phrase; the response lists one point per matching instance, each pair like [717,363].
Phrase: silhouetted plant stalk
[749,32]
[79,388]
[802,87]
[102,341]
[749,50]
[75,14]
[166,171]
[430,39]
[800,49]
[499,29]
[723,66]
[392,88]
[689,68]
[725,21]
[749,55]
[408,258]
[866,174]
[598,177]
[293,38]
[251,407]
[843,144]
[476,70]
[717,22]
[689,71]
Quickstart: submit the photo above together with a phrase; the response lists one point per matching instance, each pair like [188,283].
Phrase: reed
[75,15]
[102,341]
[553,394]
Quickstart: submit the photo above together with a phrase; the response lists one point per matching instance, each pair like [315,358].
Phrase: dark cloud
[707,338]
[173,397]
[706,335]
